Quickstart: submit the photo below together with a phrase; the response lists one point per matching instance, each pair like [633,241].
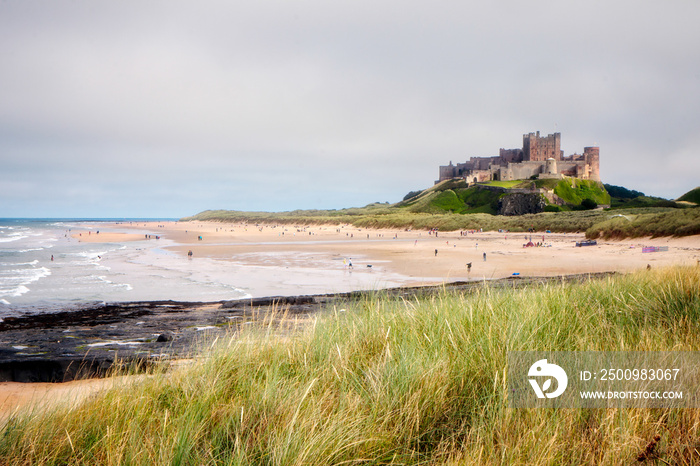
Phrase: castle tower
[551,166]
[530,145]
[592,157]
[539,149]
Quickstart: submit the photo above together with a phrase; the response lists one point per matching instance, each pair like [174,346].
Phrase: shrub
[412,194]
[621,192]
[589,204]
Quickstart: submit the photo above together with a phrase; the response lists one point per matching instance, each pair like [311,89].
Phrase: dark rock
[521,204]
[164,337]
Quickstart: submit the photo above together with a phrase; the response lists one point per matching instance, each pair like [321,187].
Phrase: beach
[411,257]
[283,260]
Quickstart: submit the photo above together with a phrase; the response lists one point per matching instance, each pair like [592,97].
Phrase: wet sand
[88,237]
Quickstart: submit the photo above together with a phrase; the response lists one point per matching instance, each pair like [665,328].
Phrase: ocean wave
[18,291]
[91,255]
[23,276]
[11,238]
[126,286]
[240,291]
[34,262]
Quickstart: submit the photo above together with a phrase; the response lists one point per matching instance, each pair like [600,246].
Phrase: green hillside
[454,195]
[447,197]
[621,192]
[574,191]
[691,196]
[621,197]
[452,205]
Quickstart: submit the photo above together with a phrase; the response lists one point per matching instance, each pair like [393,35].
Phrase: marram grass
[622,223]
[390,381]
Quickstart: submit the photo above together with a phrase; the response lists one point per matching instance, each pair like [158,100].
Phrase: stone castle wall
[540,156]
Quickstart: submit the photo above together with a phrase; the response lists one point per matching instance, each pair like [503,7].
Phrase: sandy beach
[416,257]
[15,396]
[420,257]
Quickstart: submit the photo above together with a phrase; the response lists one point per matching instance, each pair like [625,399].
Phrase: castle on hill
[540,157]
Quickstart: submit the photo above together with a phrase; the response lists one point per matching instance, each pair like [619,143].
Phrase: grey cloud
[207,101]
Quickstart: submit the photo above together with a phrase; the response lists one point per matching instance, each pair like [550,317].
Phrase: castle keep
[540,157]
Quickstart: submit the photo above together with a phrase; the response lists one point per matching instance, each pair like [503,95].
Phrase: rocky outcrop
[521,203]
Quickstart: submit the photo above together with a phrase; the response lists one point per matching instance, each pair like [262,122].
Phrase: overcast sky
[167,108]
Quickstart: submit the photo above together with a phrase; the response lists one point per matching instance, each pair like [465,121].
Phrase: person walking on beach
[469,267]
[436,252]
[484,257]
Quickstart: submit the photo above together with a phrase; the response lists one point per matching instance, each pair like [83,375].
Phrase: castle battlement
[540,156]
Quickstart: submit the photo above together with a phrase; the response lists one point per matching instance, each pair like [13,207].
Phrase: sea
[44,269]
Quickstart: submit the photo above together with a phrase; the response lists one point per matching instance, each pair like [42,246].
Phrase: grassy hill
[447,197]
[452,205]
[691,196]
[622,197]
[574,191]
[633,223]
[452,196]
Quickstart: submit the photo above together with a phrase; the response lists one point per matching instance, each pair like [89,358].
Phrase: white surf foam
[11,238]
[18,291]
[126,286]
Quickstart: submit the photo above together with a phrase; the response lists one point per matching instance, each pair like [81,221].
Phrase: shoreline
[52,377]
[403,257]
[86,343]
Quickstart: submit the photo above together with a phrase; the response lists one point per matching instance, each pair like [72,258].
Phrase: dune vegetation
[386,380]
[451,206]
[637,222]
